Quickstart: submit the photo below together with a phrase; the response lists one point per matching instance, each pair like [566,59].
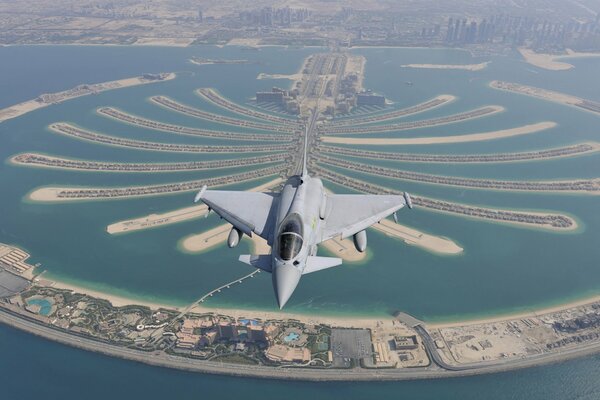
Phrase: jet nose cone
[285,280]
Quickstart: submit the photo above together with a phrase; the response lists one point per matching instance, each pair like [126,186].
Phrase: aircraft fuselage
[297,232]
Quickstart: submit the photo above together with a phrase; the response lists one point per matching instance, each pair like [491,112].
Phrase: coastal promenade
[79,133]
[402,126]
[184,130]
[213,96]
[559,152]
[404,112]
[541,220]
[45,100]
[589,186]
[41,160]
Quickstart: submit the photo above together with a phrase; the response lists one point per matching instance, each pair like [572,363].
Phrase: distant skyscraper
[200,16]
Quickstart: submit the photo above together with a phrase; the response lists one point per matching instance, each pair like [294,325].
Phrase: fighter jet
[295,220]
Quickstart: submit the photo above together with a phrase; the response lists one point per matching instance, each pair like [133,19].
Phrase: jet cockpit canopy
[290,237]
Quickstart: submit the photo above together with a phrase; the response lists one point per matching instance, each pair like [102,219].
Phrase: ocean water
[36,368]
[503,268]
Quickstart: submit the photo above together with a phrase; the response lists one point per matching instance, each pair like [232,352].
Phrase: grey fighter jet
[295,220]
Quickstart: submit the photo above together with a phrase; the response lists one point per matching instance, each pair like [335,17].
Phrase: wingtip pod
[408,200]
[200,194]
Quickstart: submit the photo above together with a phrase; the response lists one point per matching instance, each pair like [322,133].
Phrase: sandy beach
[120,301]
[342,321]
[534,312]
[465,67]
[473,137]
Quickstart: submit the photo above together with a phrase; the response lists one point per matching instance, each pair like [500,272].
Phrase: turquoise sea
[503,268]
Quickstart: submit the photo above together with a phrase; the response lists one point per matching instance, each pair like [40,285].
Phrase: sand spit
[411,236]
[45,100]
[473,137]
[466,67]
[550,61]
[173,217]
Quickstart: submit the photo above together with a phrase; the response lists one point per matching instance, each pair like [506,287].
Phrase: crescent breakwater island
[45,100]
[289,346]
[550,95]
[464,67]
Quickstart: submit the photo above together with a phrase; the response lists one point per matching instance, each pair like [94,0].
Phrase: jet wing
[250,212]
[347,214]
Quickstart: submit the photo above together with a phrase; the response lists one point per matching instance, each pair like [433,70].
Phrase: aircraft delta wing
[249,212]
[347,214]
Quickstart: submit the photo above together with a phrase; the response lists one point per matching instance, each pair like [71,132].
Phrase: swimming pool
[45,305]
[291,337]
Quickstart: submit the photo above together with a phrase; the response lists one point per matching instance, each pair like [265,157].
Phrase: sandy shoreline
[311,318]
[472,137]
